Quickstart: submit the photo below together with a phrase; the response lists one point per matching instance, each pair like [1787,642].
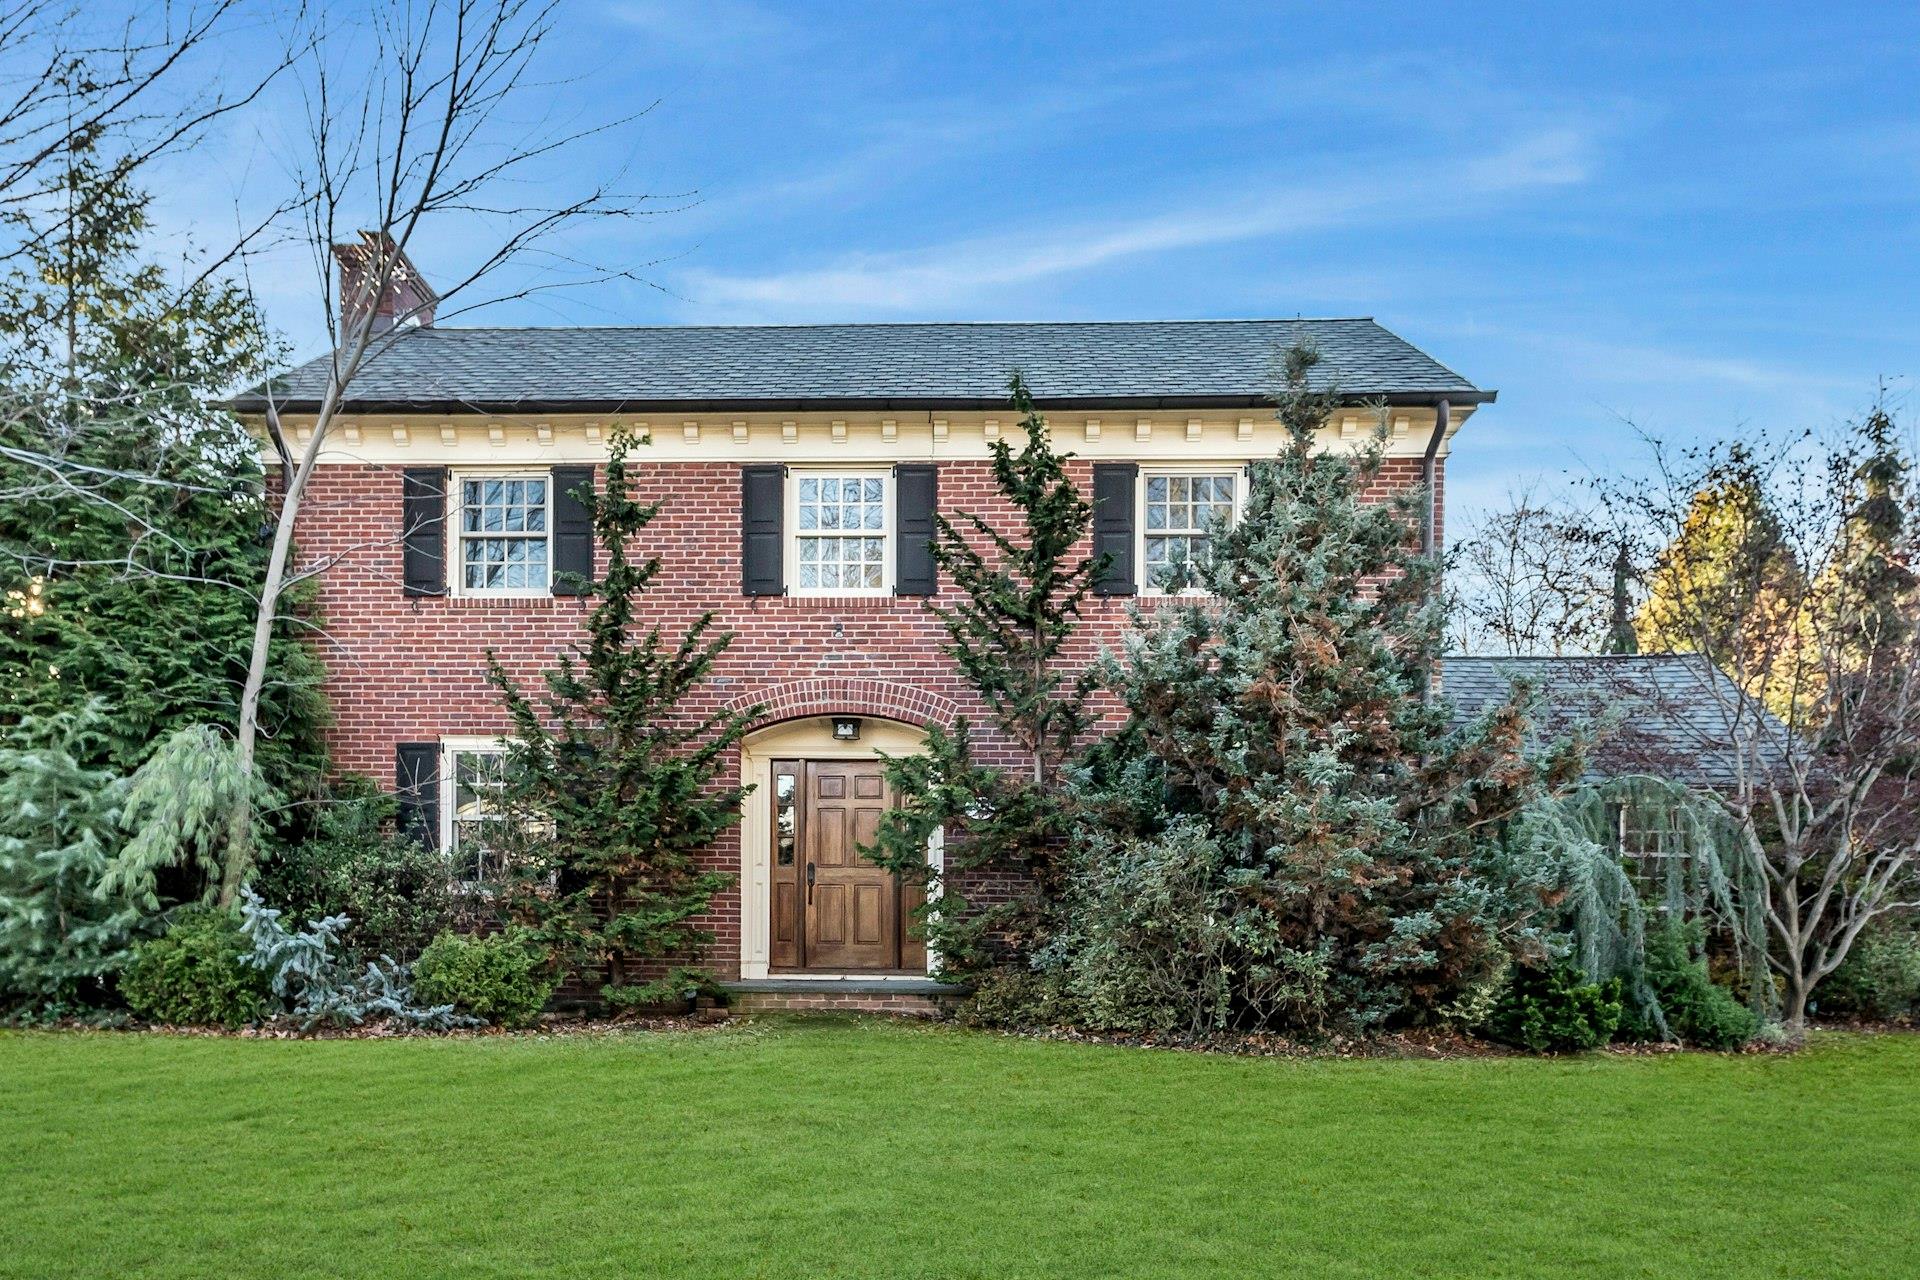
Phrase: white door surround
[806,739]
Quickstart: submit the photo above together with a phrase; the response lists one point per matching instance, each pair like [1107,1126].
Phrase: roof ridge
[895,324]
[1569,657]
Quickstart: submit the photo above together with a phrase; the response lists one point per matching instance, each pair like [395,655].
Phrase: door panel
[852,912]
[833,910]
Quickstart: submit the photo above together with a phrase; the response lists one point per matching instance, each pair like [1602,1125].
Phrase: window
[502,534]
[1652,846]
[841,533]
[1180,510]
[473,773]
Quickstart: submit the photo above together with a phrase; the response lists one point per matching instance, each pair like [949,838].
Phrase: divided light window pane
[840,524]
[503,533]
[1181,512]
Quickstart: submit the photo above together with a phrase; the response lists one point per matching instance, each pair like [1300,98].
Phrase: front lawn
[803,1149]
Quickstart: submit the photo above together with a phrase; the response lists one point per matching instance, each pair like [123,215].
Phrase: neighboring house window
[1180,510]
[1650,843]
[501,533]
[842,532]
[471,822]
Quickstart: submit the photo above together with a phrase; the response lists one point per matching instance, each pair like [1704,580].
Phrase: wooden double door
[833,910]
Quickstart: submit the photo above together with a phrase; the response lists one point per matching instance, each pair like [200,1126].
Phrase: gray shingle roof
[1184,363]
[1665,713]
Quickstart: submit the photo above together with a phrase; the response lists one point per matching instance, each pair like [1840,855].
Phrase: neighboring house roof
[1148,364]
[1673,714]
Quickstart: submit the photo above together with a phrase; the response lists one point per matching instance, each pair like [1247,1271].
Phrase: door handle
[809,884]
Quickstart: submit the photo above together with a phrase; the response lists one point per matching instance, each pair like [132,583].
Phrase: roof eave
[1398,399]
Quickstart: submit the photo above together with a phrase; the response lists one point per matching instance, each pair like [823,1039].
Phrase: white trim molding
[808,739]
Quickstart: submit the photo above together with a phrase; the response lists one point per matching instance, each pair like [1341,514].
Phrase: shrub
[1697,1011]
[501,978]
[1555,1010]
[197,974]
[1012,998]
[396,892]
[315,984]
[1164,935]
[1880,978]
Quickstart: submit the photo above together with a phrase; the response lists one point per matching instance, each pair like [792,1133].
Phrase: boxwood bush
[1554,1009]
[1698,1011]
[502,978]
[197,974]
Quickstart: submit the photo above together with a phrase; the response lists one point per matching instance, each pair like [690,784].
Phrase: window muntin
[841,533]
[1651,845]
[502,530]
[471,838]
[1179,510]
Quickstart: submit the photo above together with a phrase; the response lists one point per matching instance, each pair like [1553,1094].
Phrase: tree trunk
[239,853]
[246,730]
[1795,1011]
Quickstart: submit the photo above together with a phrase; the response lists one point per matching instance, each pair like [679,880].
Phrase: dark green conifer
[613,786]
[1016,603]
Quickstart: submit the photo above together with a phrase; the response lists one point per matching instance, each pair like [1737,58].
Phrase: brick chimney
[408,298]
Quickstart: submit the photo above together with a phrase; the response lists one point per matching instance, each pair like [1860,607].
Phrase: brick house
[799,467]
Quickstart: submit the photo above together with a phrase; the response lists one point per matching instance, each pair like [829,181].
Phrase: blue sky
[1699,218]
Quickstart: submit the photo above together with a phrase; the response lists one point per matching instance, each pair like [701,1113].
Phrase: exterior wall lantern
[846,729]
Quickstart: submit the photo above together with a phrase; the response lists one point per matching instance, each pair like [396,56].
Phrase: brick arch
[845,696]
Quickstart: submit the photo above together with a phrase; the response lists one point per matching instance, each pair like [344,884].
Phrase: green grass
[804,1149]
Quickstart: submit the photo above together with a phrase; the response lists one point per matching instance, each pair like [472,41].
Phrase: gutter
[510,408]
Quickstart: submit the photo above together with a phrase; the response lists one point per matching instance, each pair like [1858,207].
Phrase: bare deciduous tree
[1820,636]
[413,123]
[128,87]
[1535,577]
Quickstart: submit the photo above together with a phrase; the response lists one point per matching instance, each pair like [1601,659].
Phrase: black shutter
[763,531]
[1113,488]
[916,494]
[423,531]
[417,786]
[572,531]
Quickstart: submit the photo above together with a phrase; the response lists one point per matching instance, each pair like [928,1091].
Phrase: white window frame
[1240,473]
[889,531]
[451,748]
[456,563]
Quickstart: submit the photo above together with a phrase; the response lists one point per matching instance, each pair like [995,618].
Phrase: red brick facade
[414,669]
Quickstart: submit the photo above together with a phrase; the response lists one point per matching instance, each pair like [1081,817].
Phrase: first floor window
[840,532]
[473,816]
[1182,511]
[503,534]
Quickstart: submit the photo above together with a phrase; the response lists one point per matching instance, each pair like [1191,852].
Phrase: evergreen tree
[60,938]
[131,504]
[612,787]
[1018,603]
[1284,712]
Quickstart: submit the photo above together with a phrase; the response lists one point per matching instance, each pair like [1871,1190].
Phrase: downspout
[1430,535]
[1442,419]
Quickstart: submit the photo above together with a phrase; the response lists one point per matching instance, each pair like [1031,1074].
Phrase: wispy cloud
[713,30]
[978,267]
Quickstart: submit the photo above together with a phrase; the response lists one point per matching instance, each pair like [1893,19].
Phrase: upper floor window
[1180,511]
[501,533]
[842,532]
